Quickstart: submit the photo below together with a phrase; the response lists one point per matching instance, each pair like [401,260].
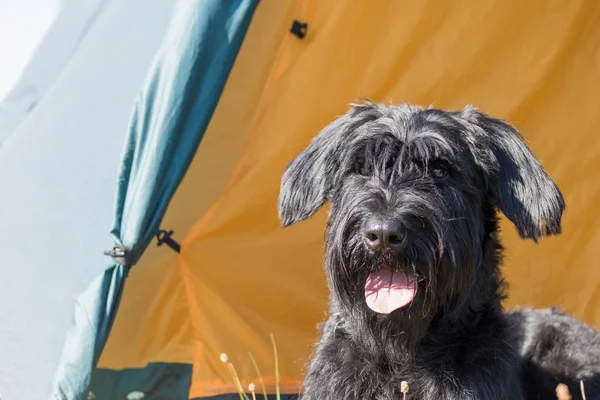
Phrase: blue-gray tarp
[169,119]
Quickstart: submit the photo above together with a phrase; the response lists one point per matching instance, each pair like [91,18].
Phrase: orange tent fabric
[240,276]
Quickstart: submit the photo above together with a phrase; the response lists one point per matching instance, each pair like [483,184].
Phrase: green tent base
[162,380]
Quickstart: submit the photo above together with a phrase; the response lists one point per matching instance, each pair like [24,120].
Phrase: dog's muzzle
[387,289]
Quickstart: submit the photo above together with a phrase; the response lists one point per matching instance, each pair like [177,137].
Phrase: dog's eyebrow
[426,139]
[433,135]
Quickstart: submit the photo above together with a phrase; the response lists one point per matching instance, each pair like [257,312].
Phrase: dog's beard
[351,271]
[430,262]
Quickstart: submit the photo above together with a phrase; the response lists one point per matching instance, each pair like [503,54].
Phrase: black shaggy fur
[453,341]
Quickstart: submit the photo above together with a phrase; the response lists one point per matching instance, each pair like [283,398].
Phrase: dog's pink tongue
[386,290]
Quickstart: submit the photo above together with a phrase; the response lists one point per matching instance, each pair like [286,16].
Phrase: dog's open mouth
[387,290]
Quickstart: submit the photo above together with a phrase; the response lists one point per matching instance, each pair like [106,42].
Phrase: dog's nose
[382,235]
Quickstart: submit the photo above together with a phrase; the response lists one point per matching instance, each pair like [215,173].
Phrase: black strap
[165,237]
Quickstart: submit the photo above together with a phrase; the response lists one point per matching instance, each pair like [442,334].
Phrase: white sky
[23,24]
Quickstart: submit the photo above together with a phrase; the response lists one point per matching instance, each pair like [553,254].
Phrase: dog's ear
[523,190]
[308,180]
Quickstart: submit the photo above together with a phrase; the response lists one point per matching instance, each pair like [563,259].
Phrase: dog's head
[413,193]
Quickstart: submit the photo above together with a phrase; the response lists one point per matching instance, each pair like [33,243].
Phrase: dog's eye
[438,171]
[363,170]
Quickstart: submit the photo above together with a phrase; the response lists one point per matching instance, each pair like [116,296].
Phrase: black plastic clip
[299,28]
[164,237]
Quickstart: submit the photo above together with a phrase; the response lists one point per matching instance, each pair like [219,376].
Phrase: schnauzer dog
[413,257]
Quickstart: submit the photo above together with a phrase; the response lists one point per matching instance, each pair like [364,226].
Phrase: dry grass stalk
[252,386]
[260,378]
[236,379]
[562,392]
[404,389]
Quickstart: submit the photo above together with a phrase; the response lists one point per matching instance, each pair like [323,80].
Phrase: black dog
[413,260]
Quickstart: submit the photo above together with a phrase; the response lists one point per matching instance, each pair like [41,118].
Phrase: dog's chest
[404,383]
[376,384]
[338,372]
